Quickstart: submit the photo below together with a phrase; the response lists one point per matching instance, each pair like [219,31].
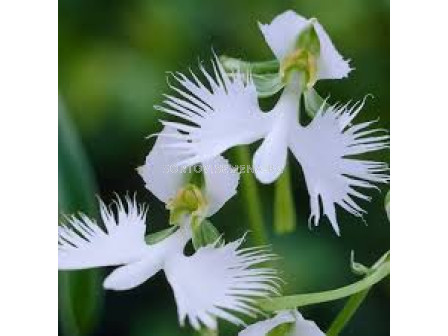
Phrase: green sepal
[313,102]
[204,233]
[265,75]
[284,329]
[232,65]
[157,237]
[268,84]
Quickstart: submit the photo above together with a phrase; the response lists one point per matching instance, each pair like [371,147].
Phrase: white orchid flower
[298,326]
[215,282]
[226,113]
[164,177]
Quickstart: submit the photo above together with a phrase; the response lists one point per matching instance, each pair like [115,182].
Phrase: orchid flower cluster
[225,280]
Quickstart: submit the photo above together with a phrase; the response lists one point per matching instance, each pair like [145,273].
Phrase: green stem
[251,198]
[284,209]
[231,64]
[347,313]
[294,301]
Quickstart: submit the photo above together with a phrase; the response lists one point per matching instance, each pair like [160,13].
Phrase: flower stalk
[379,271]
[347,312]
[251,199]
[284,209]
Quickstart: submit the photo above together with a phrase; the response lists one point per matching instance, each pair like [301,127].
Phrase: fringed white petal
[215,117]
[282,33]
[221,182]
[217,282]
[325,150]
[83,244]
[160,172]
[301,326]
[134,274]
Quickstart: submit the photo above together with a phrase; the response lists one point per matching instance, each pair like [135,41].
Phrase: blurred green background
[113,60]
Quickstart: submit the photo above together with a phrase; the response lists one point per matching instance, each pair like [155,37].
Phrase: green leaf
[313,102]
[80,301]
[204,233]
[294,301]
[157,237]
[80,293]
[284,208]
[76,183]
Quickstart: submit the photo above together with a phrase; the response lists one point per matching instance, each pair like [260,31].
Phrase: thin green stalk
[355,301]
[347,313]
[294,301]
[284,209]
[251,198]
